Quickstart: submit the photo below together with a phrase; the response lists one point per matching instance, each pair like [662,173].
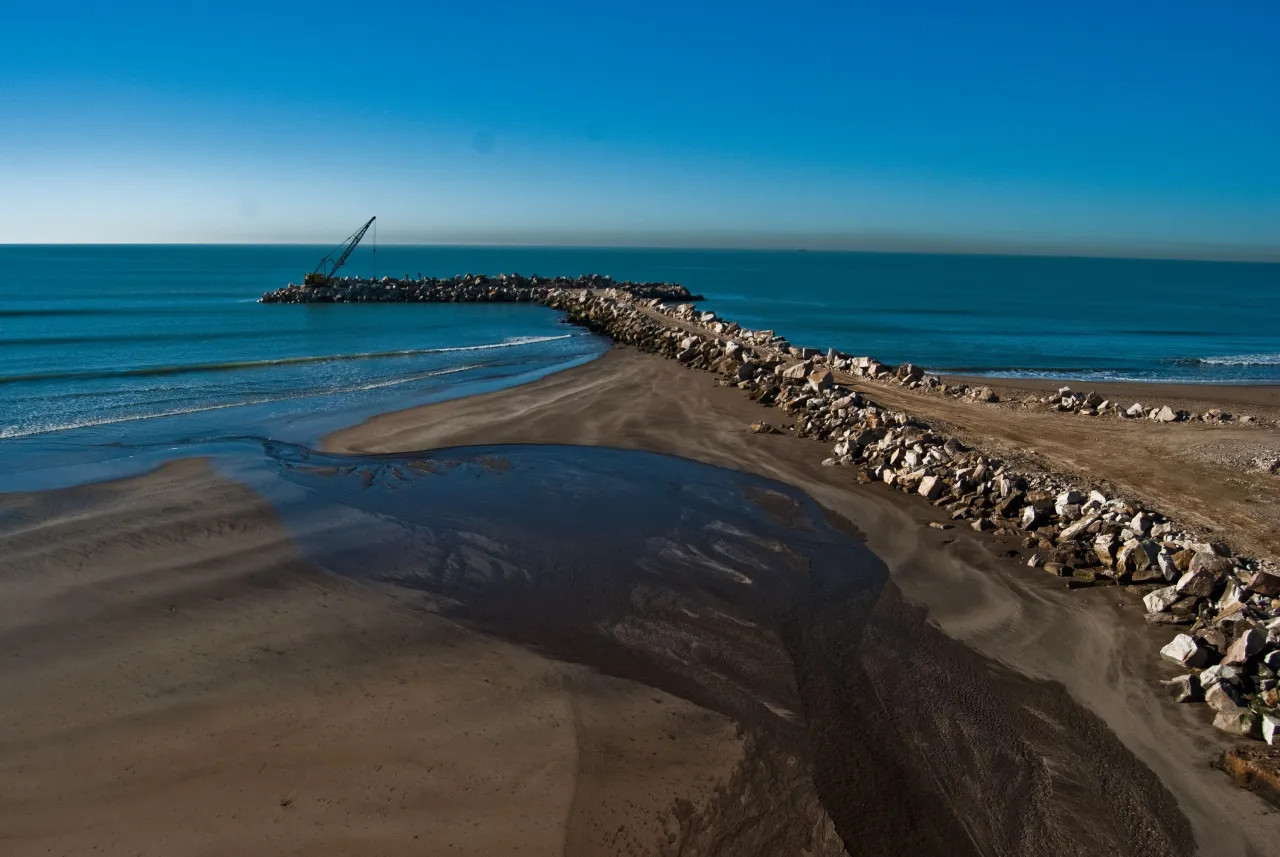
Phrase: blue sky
[1126,127]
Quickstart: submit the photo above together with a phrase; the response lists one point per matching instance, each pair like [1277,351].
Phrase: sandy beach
[189,681]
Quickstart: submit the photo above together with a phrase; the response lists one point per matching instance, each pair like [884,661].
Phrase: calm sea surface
[94,336]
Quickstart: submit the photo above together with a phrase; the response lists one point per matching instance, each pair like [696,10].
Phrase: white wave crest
[1241,360]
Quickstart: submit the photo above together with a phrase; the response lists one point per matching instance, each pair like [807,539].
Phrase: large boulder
[1184,688]
[1186,650]
[1210,562]
[931,488]
[1104,548]
[1160,600]
[822,380]
[1138,559]
[1248,644]
[1264,583]
[1200,583]
[1075,530]
[793,371]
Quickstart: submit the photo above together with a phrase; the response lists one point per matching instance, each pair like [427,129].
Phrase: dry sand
[179,679]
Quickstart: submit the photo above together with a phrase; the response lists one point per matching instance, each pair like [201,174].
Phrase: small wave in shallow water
[182,369]
[1230,360]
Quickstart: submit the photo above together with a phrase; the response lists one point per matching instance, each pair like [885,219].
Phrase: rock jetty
[1226,607]
[465,288]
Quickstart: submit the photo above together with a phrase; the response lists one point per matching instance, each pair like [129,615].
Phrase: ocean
[101,345]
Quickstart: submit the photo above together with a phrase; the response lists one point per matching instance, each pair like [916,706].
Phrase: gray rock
[1184,688]
[1221,696]
[1199,583]
[1212,563]
[1138,559]
[1248,644]
[1238,721]
[1166,415]
[1264,583]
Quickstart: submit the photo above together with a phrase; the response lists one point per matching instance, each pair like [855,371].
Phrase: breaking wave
[1271,359]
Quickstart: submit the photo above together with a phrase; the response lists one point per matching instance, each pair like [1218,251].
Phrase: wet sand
[191,680]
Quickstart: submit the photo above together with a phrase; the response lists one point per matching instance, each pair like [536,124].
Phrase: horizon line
[1265,257]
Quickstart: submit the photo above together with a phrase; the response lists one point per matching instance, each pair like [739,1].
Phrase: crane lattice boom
[329,265]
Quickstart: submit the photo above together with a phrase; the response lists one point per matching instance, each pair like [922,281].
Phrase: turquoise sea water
[94,336]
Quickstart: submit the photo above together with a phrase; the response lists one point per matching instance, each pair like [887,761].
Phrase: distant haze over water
[102,334]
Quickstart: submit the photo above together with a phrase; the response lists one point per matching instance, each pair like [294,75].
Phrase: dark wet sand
[190,680]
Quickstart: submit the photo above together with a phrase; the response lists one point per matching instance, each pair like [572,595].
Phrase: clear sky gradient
[1096,126]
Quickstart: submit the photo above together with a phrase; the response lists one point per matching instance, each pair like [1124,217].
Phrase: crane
[329,265]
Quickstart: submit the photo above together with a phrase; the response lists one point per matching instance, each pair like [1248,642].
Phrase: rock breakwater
[1227,606]
[464,288]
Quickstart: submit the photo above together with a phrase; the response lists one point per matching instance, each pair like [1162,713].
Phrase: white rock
[1237,721]
[1270,728]
[1065,499]
[1219,673]
[1072,532]
[1161,599]
[1185,650]
[931,487]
